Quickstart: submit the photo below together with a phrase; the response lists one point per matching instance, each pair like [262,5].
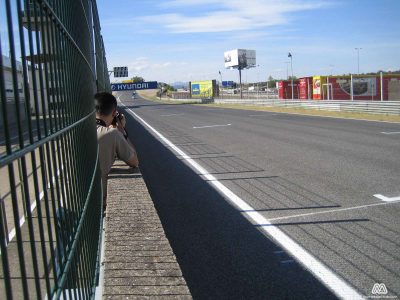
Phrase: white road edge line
[209,126]
[394,132]
[325,275]
[387,199]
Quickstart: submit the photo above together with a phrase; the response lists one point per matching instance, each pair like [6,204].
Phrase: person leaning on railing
[112,137]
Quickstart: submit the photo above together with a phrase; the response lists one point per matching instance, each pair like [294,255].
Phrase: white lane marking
[335,283]
[22,220]
[209,126]
[329,211]
[171,115]
[289,261]
[12,233]
[264,115]
[387,199]
[393,132]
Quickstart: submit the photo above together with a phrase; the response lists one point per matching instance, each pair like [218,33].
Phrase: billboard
[364,86]
[134,86]
[240,59]
[319,87]
[202,89]
[228,84]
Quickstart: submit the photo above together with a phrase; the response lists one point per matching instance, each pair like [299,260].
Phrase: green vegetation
[165,88]
[137,79]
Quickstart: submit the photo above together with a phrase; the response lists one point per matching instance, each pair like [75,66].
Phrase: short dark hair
[105,103]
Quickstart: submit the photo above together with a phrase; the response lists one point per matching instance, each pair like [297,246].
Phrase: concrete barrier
[138,260]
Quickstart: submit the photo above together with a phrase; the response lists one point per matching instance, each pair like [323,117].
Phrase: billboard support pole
[381,86]
[240,83]
[222,86]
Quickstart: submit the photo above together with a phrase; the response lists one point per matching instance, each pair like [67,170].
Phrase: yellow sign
[202,89]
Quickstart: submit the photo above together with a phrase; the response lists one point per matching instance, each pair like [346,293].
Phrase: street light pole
[287,69]
[358,60]
[220,74]
[291,66]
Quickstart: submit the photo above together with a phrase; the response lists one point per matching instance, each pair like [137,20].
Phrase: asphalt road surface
[261,205]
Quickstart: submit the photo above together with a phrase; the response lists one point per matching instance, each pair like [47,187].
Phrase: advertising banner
[240,58]
[227,84]
[150,85]
[231,59]
[361,86]
[318,86]
[202,89]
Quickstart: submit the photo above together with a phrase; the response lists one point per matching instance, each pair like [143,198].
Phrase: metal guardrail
[372,107]
[52,61]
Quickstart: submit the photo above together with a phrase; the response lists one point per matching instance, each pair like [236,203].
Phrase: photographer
[112,137]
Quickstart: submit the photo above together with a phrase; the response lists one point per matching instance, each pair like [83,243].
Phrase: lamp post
[221,89]
[358,59]
[287,69]
[291,67]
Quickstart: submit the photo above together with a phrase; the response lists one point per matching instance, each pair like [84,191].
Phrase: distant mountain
[180,85]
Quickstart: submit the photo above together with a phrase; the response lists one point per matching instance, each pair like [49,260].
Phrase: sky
[185,40]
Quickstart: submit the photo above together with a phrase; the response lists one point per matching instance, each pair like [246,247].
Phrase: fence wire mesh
[52,61]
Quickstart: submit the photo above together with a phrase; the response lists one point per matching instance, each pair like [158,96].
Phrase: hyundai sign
[150,85]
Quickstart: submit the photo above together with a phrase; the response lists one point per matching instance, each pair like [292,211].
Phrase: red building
[365,87]
[285,89]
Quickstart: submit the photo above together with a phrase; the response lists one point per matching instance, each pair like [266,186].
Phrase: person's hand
[122,120]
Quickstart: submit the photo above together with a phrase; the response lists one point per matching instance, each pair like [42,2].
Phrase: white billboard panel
[231,58]
[240,58]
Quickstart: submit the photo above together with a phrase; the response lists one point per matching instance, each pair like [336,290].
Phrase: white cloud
[231,15]
[143,63]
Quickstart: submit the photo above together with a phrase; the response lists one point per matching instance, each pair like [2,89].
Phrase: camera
[116,119]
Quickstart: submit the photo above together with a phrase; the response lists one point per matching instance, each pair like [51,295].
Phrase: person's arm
[125,150]
[121,122]
[133,161]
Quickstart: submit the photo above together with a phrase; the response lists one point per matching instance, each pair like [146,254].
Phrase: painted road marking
[171,115]
[288,261]
[12,233]
[330,211]
[387,199]
[333,281]
[209,126]
[393,132]
[264,115]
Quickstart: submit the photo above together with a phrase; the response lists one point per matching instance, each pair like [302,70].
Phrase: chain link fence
[52,61]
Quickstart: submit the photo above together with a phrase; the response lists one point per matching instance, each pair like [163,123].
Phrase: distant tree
[165,88]
[271,82]
[137,79]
